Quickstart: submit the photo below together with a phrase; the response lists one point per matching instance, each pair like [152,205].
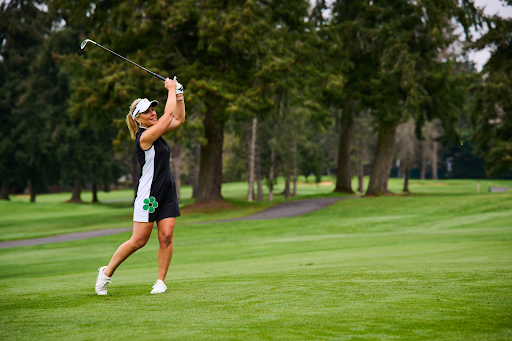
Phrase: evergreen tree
[491,106]
[23,29]
[43,114]
[103,88]
[236,40]
[351,64]
[411,80]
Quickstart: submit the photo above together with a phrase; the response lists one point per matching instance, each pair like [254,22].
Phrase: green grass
[52,216]
[436,265]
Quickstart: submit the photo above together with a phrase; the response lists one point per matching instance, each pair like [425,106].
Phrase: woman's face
[147,118]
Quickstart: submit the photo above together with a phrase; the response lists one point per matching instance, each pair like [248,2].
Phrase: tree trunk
[423,175]
[287,186]
[135,174]
[272,160]
[247,135]
[194,174]
[4,191]
[360,173]
[407,174]
[382,162]
[294,168]
[360,178]
[210,171]
[77,191]
[258,175]
[32,191]
[252,150]
[176,158]
[271,176]
[434,160]
[94,192]
[344,177]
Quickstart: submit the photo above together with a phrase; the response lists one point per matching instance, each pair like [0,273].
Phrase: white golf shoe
[102,282]
[159,287]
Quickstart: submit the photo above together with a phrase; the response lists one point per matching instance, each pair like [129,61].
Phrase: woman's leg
[140,236]
[165,234]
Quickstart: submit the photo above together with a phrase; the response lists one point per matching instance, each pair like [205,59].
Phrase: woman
[156,198]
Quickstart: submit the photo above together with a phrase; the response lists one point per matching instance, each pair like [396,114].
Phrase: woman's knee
[139,242]
[165,237]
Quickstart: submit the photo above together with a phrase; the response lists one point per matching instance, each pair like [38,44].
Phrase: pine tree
[352,64]
[411,80]
[23,149]
[491,106]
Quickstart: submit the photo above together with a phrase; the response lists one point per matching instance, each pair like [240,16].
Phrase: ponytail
[133,126]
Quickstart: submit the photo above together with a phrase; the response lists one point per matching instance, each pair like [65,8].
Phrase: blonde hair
[133,126]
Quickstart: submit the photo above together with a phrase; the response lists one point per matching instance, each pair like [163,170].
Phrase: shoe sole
[155,293]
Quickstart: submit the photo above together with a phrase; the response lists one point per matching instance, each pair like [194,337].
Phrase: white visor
[143,106]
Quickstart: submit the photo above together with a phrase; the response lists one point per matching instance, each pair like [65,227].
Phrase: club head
[84,43]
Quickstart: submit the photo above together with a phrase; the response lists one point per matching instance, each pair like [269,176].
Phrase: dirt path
[283,210]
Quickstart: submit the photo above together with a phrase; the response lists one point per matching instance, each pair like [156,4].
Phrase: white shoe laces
[104,283]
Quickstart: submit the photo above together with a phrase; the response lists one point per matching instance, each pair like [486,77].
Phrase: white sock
[103,274]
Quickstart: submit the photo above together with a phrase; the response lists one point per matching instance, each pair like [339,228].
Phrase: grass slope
[435,265]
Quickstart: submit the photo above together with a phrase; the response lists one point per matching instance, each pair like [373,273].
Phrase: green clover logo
[150,204]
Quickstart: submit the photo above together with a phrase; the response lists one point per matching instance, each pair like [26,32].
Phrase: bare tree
[424,158]
[363,145]
[271,174]
[258,175]
[192,161]
[176,160]
[251,157]
[437,131]
[294,167]
[431,131]
[407,147]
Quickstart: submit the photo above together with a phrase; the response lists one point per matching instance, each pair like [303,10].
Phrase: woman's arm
[158,129]
[179,117]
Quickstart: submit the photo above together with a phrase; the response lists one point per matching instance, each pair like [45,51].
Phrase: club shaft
[143,68]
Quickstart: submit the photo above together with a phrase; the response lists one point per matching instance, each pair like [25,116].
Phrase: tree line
[272,87]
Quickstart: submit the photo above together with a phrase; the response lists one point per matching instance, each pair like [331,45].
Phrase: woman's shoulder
[139,133]
[137,139]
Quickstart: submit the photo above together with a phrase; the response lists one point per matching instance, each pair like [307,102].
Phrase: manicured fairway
[52,216]
[433,266]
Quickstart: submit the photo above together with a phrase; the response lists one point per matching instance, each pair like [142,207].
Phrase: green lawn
[52,216]
[435,265]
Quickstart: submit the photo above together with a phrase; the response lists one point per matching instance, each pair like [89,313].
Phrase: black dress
[156,197]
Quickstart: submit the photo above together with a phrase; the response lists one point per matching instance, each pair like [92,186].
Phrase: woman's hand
[170,84]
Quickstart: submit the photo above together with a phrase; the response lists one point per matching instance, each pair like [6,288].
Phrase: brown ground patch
[208,207]
[72,201]
[430,184]
[323,183]
[387,194]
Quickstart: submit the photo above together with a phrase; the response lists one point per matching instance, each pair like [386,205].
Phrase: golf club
[82,46]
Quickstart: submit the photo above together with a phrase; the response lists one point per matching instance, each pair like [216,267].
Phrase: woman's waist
[163,178]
